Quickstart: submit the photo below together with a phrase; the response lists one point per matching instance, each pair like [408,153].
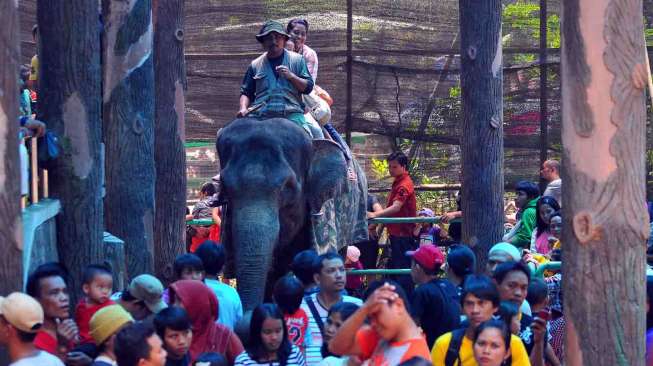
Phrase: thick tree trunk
[70,104]
[10,223]
[128,123]
[604,74]
[169,153]
[481,81]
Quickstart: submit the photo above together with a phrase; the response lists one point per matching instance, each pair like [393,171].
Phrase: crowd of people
[444,313]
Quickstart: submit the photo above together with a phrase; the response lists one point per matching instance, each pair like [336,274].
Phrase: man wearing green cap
[275,81]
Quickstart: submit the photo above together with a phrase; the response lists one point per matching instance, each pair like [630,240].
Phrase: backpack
[453,352]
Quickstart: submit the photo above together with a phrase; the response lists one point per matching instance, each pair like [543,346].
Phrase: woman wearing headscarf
[202,306]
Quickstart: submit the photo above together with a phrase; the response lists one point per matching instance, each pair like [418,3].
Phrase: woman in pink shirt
[298,30]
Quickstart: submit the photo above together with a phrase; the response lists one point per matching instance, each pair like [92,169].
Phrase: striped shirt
[313,339]
[296,358]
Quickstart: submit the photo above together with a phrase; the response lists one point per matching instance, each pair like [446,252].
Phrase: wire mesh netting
[405,73]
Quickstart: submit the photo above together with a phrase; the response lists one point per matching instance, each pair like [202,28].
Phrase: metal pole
[544,133]
[350,60]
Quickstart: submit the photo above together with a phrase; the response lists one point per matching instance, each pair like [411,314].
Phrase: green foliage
[523,17]
[455,91]
[380,168]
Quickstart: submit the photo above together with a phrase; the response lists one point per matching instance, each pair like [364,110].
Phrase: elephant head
[273,176]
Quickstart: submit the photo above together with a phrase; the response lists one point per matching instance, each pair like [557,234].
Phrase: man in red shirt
[401,203]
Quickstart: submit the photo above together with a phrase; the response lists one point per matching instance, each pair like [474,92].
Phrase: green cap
[269,27]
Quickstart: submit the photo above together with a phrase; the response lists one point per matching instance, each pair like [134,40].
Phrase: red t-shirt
[45,342]
[354,282]
[403,190]
[83,314]
[297,324]
[378,352]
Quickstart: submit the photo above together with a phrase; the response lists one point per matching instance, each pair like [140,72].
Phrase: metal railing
[538,272]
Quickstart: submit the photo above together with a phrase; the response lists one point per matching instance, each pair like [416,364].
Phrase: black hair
[546,200]
[291,24]
[302,266]
[51,269]
[537,291]
[35,30]
[507,311]
[399,157]
[462,260]
[255,348]
[503,269]
[25,337]
[213,359]
[208,189]
[416,361]
[187,261]
[288,293]
[649,298]
[24,74]
[345,309]
[319,261]
[398,289]
[93,270]
[531,189]
[172,317]
[131,344]
[212,256]
[482,287]
[497,324]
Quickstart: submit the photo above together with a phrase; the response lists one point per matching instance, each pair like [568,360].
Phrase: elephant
[283,193]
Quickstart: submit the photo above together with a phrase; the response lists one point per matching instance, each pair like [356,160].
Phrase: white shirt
[554,189]
[41,358]
[313,338]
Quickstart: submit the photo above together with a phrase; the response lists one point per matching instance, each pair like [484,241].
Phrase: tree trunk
[128,123]
[70,102]
[604,74]
[481,81]
[10,219]
[169,152]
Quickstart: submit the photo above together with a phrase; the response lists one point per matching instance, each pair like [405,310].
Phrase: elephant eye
[289,192]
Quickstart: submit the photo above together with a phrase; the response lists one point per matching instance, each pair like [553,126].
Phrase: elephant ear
[328,169]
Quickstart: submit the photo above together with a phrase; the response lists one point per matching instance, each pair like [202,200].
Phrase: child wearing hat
[104,326]
[354,284]
[427,233]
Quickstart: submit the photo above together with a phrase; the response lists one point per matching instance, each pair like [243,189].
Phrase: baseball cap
[426,212]
[148,289]
[428,256]
[22,311]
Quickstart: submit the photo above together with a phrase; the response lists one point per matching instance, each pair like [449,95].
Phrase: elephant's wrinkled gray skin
[275,181]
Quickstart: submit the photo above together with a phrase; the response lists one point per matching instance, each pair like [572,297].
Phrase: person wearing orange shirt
[391,337]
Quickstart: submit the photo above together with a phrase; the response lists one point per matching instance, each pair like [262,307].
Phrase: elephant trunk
[255,232]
